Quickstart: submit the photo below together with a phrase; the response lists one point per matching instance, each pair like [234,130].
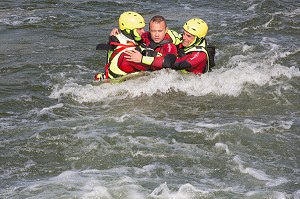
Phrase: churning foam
[258,174]
[229,81]
[247,67]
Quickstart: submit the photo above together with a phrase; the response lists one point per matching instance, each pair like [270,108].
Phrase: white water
[231,133]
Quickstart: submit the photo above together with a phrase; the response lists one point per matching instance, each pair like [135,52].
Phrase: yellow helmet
[131,20]
[196,27]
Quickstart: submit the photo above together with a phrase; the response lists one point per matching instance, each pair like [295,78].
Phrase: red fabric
[146,38]
[168,48]
[196,59]
[123,64]
[131,67]
[128,66]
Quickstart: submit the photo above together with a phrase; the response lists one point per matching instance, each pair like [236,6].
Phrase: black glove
[149,53]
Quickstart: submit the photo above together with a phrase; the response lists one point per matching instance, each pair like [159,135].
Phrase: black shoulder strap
[154,45]
[166,41]
[107,46]
[211,50]
[103,47]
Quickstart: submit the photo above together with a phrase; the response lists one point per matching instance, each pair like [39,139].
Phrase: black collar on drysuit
[154,45]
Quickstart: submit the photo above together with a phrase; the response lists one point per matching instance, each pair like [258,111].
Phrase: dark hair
[158,19]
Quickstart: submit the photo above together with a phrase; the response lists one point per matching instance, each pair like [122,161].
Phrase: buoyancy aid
[198,47]
[123,44]
[175,36]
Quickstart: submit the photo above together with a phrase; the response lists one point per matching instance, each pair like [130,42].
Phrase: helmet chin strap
[135,35]
[127,33]
[196,41]
[192,43]
[132,34]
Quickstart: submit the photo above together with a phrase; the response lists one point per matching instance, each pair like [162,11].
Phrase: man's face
[187,39]
[157,31]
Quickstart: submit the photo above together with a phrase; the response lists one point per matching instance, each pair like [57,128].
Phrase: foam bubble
[47,110]
[88,184]
[185,191]
[257,127]
[16,21]
[95,192]
[276,182]
[258,174]
[297,194]
[223,146]
[32,20]
[260,127]
[279,195]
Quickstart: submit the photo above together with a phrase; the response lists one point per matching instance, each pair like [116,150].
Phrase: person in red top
[131,26]
[192,52]
[157,49]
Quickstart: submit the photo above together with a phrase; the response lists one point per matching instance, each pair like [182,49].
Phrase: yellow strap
[147,60]
[176,37]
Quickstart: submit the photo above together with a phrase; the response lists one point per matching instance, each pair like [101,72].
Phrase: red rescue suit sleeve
[192,62]
[130,67]
[167,59]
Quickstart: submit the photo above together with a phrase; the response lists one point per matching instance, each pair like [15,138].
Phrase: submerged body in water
[230,133]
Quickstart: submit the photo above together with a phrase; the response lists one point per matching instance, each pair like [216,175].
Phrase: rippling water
[231,133]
